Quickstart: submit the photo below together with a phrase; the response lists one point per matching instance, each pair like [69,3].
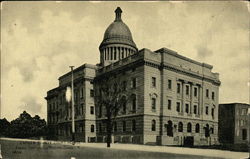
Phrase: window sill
[180,113]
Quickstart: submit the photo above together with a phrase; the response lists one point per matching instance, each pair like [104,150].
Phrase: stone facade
[172,100]
[158,120]
[237,132]
[59,110]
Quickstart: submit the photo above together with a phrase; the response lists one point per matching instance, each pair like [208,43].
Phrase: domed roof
[118,32]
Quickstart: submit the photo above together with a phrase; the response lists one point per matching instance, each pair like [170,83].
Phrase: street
[21,149]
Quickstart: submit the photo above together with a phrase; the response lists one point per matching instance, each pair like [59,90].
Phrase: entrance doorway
[188,141]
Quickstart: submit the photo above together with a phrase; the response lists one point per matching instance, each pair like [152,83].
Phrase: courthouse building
[171,99]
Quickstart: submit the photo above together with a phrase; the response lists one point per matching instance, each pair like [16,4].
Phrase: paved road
[21,149]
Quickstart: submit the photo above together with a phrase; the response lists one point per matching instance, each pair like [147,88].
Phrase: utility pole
[72,104]
[248,115]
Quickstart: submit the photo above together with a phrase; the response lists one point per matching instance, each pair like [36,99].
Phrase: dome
[117,42]
[118,32]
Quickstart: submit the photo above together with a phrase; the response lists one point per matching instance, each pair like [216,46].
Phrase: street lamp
[72,105]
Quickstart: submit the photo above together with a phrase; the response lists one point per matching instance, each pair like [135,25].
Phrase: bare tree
[112,95]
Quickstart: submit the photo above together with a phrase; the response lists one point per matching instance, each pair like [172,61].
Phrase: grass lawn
[34,150]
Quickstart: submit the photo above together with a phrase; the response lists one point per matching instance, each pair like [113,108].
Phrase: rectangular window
[92,111]
[241,122]
[124,126]
[169,84]
[169,104]
[80,110]
[92,128]
[207,93]
[100,127]
[178,106]
[212,95]
[76,96]
[244,111]
[124,85]
[187,108]
[212,130]
[100,111]
[206,110]
[195,92]
[244,134]
[153,104]
[212,112]
[133,125]
[91,93]
[187,90]
[133,84]
[115,126]
[134,103]
[124,107]
[81,93]
[153,82]
[178,88]
[195,109]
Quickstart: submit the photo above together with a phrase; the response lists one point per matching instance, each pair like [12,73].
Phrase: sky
[40,40]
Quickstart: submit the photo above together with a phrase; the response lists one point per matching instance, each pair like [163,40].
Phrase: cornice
[160,66]
[173,53]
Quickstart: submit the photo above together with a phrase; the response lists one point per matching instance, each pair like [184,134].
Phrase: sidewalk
[174,150]
[148,148]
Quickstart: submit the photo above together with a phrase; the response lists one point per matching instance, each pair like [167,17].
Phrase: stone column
[123,53]
[183,96]
[107,53]
[120,53]
[200,100]
[191,98]
[112,53]
[117,52]
[104,56]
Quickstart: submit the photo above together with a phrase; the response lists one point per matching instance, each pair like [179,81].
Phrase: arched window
[189,127]
[92,128]
[207,134]
[133,125]
[153,106]
[170,128]
[197,128]
[153,126]
[180,127]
